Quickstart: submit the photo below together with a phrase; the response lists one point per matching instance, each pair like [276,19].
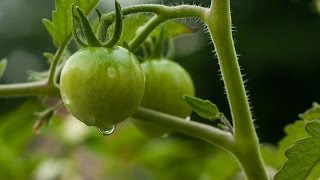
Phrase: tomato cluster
[104,86]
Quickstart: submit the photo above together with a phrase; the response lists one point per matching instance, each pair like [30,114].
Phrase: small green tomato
[166,83]
[102,86]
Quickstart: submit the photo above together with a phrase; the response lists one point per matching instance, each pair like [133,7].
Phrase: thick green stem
[205,132]
[28,89]
[162,13]
[182,11]
[46,87]
[218,20]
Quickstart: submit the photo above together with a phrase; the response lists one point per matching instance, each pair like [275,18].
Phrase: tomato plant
[102,83]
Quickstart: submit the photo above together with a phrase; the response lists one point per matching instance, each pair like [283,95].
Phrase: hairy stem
[205,132]
[162,13]
[181,11]
[218,20]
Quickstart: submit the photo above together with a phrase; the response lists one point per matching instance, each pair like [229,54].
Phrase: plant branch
[181,11]
[52,77]
[45,87]
[205,132]
[145,31]
[162,13]
[218,20]
[28,89]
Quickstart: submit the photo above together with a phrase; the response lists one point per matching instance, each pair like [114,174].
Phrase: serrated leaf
[312,113]
[303,156]
[296,130]
[203,108]
[3,65]
[133,22]
[293,132]
[60,28]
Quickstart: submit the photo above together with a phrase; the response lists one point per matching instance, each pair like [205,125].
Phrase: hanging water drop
[107,131]
[111,72]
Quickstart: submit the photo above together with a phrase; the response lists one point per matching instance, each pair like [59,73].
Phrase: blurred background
[278,47]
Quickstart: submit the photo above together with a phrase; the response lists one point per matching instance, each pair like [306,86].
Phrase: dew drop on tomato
[111,72]
[107,131]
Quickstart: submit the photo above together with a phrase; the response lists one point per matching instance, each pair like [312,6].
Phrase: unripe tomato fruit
[166,83]
[102,86]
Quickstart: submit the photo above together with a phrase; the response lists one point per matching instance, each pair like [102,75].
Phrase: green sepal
[171,52]
[203,108]
[158,50]
[104,24]
[87,30]
[99,13]
[3,65]
[75,23]
[118,28]
[303,156]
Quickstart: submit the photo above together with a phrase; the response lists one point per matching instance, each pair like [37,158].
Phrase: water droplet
[107,131]
[65,98]
[111,72]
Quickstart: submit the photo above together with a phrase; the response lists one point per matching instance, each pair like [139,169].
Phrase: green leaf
[293,132]
[135,21]
[3,65]
[87,30]
[303,156]
[203,108]
[312,113]
[296,130]
[175,28]
[60,28]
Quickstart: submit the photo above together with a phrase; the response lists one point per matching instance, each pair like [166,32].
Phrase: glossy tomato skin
[102,86]
[166,83]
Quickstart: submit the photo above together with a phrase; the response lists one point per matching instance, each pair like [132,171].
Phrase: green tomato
[166,83]
[102,86]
